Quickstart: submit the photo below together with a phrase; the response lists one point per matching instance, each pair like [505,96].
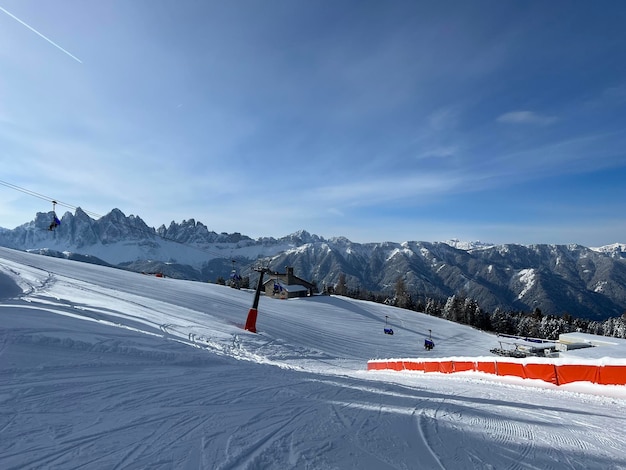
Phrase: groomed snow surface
[107,369]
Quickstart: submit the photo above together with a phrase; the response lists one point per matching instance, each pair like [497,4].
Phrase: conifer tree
[340,288]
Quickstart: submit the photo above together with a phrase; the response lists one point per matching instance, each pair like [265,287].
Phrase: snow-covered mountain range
[582,281]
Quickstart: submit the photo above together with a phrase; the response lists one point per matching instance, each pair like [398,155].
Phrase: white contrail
[41,35]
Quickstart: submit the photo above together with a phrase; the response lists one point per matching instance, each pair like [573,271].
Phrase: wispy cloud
[611,96]
[616,93]
[41,35]
[386,189]
[575,155]
[444,118]
[443,151]
[526,117]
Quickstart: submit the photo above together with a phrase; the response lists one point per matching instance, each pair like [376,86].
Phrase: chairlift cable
[56,202]
[46,198]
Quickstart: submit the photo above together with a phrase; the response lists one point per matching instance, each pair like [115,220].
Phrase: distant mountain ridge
[584,282]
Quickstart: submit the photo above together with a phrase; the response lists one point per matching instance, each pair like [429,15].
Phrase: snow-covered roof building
[577,345]
[287,285]
[585,345]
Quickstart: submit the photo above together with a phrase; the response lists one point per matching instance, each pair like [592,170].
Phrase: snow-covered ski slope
[101,368]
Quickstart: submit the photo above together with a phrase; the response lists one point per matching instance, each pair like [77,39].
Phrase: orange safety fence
[557,374]
[543,371]
[510,368]
[376,365]
[431,366]
[413,365]
[612,375]
[488,367]
[568,373]
[463,366]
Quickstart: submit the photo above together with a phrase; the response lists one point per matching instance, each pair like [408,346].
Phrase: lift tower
[252,313]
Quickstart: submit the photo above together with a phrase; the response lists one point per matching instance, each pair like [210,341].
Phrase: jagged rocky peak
[115,215]
[115,226]
[465,245]
[342,241]
[42,220]
[302,237]
[615,250]
[188,231]
[190,224]
[234,237]
[192,231]
[79,214]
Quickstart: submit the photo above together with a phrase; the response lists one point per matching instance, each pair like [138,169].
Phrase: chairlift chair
[428,342]
[387,329]
[55,220]
[235,278]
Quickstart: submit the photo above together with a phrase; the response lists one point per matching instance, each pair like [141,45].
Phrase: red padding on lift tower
[612,375]
[567,373]
[251,320]
[545,372]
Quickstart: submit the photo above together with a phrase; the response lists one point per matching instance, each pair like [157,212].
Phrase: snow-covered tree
[453,310]
[528,326]
[433,307]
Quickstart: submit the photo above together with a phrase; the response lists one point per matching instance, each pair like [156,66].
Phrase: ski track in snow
[102,368]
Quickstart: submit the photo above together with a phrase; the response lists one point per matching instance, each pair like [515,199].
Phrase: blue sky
[378,121]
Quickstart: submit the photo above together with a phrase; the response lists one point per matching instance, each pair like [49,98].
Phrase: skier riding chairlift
[278,288]
[55,220]
[235,278]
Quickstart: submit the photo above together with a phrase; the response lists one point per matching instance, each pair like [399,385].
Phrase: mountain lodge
[287,285]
